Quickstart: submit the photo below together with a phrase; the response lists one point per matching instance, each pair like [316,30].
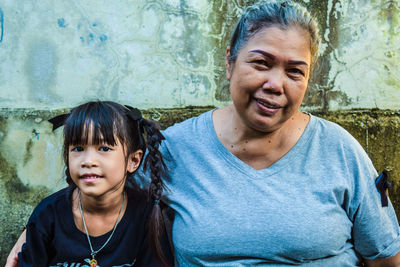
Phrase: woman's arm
[389,262]
[12,259]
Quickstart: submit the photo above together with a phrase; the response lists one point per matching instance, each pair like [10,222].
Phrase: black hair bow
[59,120]
[382,185]
[133,113]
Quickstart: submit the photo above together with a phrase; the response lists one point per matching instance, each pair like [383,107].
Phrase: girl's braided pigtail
[154,161]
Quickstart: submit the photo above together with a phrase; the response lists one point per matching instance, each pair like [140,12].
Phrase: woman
[260,183]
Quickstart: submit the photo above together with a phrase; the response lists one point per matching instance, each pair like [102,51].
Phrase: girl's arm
[12,259]
[388,262]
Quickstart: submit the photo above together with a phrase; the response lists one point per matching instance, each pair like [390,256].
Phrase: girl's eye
[77,149]
[104,148]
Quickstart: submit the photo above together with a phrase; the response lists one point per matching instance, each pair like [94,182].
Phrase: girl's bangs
[96,125]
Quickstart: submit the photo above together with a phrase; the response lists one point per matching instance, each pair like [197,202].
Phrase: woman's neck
[256,148]
[230,126]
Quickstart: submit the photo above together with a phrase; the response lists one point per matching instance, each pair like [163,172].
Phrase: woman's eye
[296,71]
[261,62]
[77,149]
[105,148]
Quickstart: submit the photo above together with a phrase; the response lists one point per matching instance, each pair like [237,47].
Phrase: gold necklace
[93,253]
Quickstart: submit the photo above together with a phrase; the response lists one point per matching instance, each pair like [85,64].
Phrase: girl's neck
[100,214]
[106,204]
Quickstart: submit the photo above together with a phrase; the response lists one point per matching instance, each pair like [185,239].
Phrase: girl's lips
[90,177]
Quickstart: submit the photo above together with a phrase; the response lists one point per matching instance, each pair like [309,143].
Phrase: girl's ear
[134,161]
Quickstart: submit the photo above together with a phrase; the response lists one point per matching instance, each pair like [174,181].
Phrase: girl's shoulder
[57,200]
[138,198]
[52,209]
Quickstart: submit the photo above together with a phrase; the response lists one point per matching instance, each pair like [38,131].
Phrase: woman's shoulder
[188,125]
[334,137]
[332,130]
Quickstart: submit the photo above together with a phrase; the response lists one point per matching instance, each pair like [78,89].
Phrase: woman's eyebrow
[297,62]
[268,55]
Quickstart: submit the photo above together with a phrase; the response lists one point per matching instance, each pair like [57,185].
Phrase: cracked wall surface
[167,57]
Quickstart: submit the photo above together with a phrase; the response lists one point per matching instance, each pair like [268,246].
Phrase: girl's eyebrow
[272,57]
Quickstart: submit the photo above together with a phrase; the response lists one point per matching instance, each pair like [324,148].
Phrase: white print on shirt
[77,264]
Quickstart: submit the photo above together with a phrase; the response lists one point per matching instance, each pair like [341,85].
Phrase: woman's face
[269,78]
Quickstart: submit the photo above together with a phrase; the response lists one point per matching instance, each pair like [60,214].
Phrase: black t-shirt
[53,240]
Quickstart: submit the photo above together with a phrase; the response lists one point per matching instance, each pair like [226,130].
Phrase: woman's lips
[267,107]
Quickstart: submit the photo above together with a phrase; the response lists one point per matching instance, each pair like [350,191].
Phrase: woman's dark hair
[110,122]
[283,14]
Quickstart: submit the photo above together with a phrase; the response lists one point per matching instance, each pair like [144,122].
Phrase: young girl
[102,218]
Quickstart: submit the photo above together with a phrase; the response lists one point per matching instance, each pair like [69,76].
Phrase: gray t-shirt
[316,206]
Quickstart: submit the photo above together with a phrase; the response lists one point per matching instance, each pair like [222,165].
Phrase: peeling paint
[61,23]
[103,37]
[1,25]
[41,69]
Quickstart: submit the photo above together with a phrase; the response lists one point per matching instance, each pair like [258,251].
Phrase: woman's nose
[274,81]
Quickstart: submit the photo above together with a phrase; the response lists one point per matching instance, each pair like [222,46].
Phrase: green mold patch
[15,190]
[389,13]
[167,117]
[28,153]
[222,20]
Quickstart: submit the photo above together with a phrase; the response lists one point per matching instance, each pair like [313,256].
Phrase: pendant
[93,262]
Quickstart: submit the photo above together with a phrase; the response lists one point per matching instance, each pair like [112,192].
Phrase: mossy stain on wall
[15,190]
[389,13]
[28,152]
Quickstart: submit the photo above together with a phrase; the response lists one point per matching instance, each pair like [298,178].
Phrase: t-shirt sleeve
[376,231]
[35,250]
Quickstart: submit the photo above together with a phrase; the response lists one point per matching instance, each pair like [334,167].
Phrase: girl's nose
[89,159]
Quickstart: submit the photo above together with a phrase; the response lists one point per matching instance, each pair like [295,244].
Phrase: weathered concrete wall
[147,53]
[359,55]
[164,56]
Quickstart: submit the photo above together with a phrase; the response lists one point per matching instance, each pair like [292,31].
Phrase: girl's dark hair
[109,122]
[281,13]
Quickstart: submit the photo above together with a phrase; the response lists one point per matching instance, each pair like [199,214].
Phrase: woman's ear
[228,64]
[134,160]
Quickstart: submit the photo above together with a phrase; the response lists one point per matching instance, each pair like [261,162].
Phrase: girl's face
[99,170]
[269,78]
